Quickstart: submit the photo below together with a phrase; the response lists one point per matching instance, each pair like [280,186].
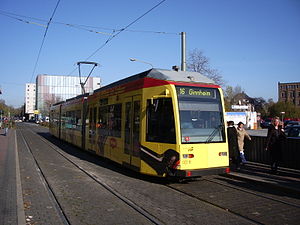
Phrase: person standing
[241,135]
[6,127]
[274,143]
[233,144]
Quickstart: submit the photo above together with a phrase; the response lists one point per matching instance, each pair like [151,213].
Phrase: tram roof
[163,74]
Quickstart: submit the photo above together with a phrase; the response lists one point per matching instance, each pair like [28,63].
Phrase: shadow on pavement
[98,160]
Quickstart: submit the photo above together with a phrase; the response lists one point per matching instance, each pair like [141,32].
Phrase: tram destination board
[196,92]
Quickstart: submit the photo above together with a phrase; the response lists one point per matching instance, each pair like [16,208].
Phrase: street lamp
[282,113]
[137,60]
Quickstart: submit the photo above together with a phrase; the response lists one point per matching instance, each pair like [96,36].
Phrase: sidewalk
[11,204]
[287,180]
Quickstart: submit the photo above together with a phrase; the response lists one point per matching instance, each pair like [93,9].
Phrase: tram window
[114,120]
[102,120]
[160,121]
[72,120]
[78,120]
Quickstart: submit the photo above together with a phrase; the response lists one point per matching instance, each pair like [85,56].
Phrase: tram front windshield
[201,115]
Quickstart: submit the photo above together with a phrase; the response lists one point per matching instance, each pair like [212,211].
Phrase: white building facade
[30,95]
[54,88]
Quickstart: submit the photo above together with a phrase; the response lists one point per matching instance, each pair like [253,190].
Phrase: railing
[254,151]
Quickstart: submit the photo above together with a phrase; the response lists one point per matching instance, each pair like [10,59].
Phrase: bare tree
[51,99]
[198,62]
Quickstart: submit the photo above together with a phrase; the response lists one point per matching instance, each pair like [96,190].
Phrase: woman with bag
[242,134]
[274,143]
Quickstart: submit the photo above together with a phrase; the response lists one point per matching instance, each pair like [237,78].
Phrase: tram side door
[84,117]
[132,132]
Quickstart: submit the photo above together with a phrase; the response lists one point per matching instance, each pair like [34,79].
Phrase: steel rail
[253,193]
[215,205]
[46,184]
[98,180]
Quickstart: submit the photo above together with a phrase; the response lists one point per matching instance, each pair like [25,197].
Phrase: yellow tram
[158,122]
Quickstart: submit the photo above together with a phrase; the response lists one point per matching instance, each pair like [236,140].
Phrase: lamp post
[137,60]
[282,113]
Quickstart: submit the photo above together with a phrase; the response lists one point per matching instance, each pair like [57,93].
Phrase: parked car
[266,123]
[292,131]
[291,123]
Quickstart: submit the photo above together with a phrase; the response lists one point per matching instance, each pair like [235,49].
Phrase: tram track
[46,184]
[129,202]
[177,188]
[181,189]
[253,193]
[93,176]
[215,205]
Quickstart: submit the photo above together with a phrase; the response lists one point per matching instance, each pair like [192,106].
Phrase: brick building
[289,92]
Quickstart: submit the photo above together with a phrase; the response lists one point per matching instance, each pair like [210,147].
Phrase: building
[55,88]
[241,102]
[30,94]
[289,92]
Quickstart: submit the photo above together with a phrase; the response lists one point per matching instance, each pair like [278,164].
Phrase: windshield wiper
[213,134]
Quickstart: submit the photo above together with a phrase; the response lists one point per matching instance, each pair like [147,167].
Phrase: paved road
[62,185]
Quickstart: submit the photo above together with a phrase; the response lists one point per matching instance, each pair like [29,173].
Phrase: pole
[183,51]
[83,83]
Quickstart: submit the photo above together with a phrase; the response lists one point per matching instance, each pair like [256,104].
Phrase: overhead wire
[115,32]
[120,31]
[43,41]
[24,21]
[79,26]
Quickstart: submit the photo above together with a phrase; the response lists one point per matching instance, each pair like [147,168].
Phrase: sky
[254,44]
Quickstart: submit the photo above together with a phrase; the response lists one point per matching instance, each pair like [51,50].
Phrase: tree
[198,62]
[10,110]
[229,94]
[291,111]
[50,100]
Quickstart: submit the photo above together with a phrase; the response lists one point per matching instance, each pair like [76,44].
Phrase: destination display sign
[196,92]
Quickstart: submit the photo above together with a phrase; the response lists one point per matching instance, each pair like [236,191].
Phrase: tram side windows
[69,120]
[78,119]
[114,120]
[92,121]
[72,120]
[102,125]
[160,121]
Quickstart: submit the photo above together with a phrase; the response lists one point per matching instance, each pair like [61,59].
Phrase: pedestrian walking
[233,144]
[274,143]
[5,127]
[241,135]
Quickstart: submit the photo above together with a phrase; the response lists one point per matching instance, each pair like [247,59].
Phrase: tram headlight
[188,156]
